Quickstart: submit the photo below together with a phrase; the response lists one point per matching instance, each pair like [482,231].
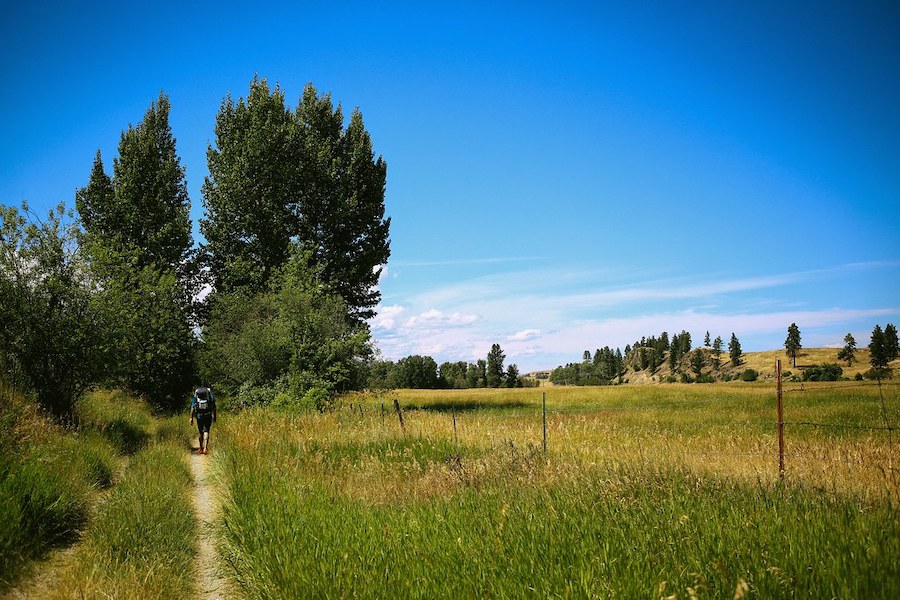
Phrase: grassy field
[645,491]
[116,491]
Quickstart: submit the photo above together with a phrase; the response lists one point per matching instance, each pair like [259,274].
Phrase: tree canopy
[278,177]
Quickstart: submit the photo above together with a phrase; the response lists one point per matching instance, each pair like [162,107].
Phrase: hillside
[763,362]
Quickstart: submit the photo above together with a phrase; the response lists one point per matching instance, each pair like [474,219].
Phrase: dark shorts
[204,422]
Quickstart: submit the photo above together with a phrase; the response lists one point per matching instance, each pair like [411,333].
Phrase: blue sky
[561,176]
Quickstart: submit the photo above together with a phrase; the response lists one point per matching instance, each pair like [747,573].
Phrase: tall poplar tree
[279,178]
[138,237]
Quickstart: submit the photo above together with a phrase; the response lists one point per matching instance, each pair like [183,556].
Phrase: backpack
[204,404]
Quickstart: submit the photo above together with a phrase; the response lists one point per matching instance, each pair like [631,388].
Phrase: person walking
[203,407]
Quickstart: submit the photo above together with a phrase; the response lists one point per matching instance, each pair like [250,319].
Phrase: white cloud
[525,334]
[571,311]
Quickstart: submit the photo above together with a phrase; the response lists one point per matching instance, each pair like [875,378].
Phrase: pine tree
[792,343]
[890,342]
[494,372]
[706,340]
[734,350]
[849,350]
[878,350]
[717,351]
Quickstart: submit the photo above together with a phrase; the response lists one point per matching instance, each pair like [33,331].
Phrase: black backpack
[204,400]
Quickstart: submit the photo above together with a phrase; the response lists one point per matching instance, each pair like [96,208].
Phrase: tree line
[274,302]
[422,372]
[607,366]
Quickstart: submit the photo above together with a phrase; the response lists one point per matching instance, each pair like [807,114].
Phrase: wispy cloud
[466,261]
[541,316]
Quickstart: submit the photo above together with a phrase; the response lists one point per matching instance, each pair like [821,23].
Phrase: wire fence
[791,456]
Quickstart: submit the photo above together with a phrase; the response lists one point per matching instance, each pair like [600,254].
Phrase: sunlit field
[643,491]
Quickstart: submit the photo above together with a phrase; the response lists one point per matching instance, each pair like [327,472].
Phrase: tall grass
[125,421]
[140,543]
[47,477]
[645,492]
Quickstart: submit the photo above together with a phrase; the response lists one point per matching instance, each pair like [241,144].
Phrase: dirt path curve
[210,583]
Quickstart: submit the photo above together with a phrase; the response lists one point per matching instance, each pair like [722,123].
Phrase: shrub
[826,372]
[750,375]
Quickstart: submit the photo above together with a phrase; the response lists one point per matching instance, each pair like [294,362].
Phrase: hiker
[203,406]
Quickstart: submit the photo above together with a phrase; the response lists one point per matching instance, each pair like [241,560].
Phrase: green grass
[141,541]
[47,480]
[646,492]
[126,422]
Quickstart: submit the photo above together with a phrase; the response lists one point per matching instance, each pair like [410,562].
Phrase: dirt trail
[210,583]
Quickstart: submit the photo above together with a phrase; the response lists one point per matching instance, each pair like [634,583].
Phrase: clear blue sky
[561,176]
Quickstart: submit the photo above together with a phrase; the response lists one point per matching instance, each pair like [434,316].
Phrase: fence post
[399,414]
[544,405]
[455,438]
[780,421]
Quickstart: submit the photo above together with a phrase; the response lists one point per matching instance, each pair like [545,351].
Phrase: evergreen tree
[512,376]
[792,343]
[734,350]
[698,361]
[878,350]
[849,350]
[494,373]
[717,351]
[706,340]
[890,342]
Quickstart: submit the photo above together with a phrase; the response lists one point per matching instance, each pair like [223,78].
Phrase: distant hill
[762,362]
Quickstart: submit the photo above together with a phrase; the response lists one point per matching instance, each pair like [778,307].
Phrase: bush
[826,372]
[750,375]
[705,378]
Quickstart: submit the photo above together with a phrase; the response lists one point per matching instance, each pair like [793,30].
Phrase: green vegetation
[47,480]
[141,541]
[654,490]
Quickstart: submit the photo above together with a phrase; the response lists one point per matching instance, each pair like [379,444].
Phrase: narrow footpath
[210,583]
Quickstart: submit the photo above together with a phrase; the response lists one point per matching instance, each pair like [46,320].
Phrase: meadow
[113,495]
[644,491]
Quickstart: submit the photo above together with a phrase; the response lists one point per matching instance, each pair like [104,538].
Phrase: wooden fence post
[399,414]
[780,421]
[544,406]
[455,438]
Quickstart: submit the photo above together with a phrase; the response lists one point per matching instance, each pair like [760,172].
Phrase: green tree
[890,342]
[792,343]
[417,372]
[717,351]
[698,361]
[494,373]
[138,237]
[734,350]
[512,376]
[277,176]
[706,340]
[297,333]
[849,350]
[145,206]
[48,327]
[877,350]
